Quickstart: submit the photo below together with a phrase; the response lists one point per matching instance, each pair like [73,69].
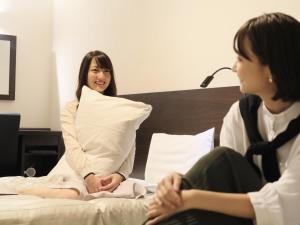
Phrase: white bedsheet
[25,210]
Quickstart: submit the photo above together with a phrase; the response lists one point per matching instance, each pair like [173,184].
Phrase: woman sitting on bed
[97,73]
[255,177]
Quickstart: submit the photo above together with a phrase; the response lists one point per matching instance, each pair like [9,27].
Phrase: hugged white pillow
[169,153]
[106,128]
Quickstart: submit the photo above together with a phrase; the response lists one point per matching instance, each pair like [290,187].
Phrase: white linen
[277,203]
[127,189]
[168,153]
[29,210]
[150,187]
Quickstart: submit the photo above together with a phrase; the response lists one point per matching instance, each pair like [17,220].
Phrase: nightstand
[39,149]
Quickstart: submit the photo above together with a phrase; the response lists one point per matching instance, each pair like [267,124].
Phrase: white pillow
[106,128]
[169,153]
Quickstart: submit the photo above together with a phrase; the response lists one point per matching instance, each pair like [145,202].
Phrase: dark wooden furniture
[39,149]
[174,112]
[9,127]
[181,112]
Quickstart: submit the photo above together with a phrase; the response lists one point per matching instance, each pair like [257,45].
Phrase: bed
[185,112]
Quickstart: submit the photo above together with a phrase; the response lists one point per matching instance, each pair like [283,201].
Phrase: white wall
[155,45]
[31,22]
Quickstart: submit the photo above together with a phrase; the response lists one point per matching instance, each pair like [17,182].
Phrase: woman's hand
[157,212]
[92,183]
[168,191]
[110,182]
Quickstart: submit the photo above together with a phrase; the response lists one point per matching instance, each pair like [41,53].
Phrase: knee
[220,158]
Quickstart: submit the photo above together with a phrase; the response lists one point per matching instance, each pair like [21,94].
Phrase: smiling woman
[7,67]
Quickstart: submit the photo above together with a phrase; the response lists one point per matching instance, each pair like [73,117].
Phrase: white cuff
[266,205]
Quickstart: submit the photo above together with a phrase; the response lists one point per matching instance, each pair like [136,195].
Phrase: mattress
[25,210]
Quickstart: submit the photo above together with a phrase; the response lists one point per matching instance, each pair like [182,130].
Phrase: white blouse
[277,203]
[74,152]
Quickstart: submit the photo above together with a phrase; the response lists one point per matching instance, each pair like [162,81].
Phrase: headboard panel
[181,112]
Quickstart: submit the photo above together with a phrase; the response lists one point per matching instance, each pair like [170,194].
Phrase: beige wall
[31,22]
[155,45]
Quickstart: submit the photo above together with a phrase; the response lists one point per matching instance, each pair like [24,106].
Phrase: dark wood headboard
[181,112]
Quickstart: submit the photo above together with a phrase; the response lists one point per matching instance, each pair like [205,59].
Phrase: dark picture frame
[12,67]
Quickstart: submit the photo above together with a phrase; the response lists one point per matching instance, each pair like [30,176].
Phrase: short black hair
[103,61]
[275,40]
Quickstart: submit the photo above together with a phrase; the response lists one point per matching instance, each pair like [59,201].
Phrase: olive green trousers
[222,170]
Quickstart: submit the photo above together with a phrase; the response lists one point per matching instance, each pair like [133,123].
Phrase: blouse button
[272,134]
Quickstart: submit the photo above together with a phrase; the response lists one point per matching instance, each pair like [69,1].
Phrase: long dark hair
[103,61]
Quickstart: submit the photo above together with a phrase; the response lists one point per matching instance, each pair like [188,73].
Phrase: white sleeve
[233,132]
[75,155]
[127,166]
[278,203]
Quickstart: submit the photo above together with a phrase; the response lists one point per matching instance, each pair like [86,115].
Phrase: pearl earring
[270,80]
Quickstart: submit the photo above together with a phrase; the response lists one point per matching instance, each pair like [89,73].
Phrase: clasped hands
[168,199]
[107,183]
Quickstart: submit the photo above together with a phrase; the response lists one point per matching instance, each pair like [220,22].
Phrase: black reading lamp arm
[208,79]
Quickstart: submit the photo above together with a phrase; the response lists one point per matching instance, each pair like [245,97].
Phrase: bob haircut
[275,40]
[103,61]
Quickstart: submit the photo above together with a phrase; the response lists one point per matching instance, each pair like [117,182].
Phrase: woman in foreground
[254,178]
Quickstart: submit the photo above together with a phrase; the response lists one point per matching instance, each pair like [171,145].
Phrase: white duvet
[25,210]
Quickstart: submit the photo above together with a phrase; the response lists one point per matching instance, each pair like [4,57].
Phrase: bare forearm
[238,205]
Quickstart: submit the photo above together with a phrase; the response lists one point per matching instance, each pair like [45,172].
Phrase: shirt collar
[290,113]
